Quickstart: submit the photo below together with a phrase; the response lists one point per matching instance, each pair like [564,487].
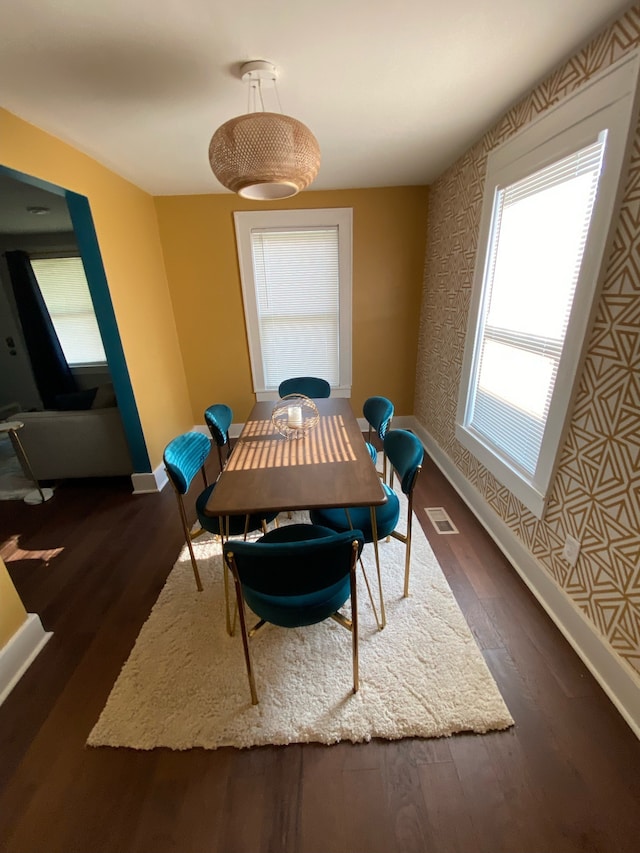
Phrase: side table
[38,495]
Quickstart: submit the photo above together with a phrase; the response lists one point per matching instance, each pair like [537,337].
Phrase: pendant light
[263,155]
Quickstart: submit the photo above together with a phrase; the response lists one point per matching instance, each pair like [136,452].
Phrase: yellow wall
[12,613]
[126,225]
[198,239]
[184,340]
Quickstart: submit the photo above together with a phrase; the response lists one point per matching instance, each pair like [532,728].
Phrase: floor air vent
[439,517]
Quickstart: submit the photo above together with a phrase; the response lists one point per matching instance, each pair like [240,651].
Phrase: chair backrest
[218,418]
[297,567]
[378,411]
[184,457]
[405,452]
[310,386]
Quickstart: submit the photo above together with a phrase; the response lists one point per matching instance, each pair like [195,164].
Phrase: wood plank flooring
[92,562]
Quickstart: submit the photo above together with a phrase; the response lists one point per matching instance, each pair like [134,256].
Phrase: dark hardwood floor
[93,560]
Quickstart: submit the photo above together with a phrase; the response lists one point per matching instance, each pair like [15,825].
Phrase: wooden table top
[328,467]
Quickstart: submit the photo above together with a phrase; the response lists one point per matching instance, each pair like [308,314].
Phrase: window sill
[533,498]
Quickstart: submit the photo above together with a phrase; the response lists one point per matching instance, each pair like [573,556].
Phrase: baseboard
[145,484]
[20,651]
[398,422]
[614,676]
[273,396]
[404,422]
[234,430]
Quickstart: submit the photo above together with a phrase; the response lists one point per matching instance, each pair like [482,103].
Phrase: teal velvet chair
[293,576]
[310,386]
[183,457]
[378,412]
[405,454]
[218,418]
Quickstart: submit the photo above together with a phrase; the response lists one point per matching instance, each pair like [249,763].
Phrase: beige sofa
[66,444]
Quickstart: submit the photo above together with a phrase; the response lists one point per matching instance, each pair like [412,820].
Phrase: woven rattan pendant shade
[264,155]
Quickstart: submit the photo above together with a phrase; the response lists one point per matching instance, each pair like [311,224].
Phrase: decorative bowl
[294,415]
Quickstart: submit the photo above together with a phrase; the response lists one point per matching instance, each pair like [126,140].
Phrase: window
[526,307]
[65,291]
[549,199]
[295,267]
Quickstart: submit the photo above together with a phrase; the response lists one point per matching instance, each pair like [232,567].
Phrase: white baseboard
[145,484]
[398,422]
[614,676]
[234,430]
[273,396]
[20,651]
[405,422]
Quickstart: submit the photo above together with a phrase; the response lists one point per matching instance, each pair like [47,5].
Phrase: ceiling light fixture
[263,155]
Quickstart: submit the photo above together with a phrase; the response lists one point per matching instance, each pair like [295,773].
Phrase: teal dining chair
[218,418]
[378,412]
[296,575]
[405,454]
[310,386]
[183,457]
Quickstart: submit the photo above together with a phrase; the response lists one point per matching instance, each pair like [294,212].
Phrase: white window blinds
[297,284]
[66,294]
[540,228]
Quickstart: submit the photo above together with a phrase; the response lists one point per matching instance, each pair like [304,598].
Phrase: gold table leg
[374,533]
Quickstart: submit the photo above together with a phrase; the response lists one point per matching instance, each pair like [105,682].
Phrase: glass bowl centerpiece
[294,415]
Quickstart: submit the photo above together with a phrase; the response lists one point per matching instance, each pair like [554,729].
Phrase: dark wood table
[329,467]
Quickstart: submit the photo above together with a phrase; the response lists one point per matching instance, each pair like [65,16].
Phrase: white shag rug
[185,684]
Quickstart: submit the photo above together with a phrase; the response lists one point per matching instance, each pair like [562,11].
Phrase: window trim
[245,221]
[610,101]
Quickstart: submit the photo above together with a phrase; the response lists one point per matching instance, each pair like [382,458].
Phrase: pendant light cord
[255,97]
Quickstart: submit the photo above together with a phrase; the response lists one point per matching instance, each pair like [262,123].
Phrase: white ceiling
[393,91]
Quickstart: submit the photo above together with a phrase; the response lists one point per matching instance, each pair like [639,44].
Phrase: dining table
[325,467]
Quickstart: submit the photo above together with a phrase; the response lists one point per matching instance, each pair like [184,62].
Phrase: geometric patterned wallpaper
[595,495]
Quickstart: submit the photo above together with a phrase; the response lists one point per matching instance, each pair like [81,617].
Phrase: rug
[185,685]
[14,485]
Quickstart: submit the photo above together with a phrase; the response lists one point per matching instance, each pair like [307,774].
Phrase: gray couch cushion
[62,445]
[105,397]
[75,401]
